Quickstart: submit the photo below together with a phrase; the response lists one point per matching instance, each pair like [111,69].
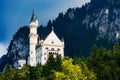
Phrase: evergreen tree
[105,63]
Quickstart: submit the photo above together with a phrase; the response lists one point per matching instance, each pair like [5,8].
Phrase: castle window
[58,49]
[50,53]
[52,48]
[31,52]
[52,42]
[44,58]
[46,48]
[44,53]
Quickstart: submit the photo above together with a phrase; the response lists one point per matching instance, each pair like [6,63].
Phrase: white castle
[39,51]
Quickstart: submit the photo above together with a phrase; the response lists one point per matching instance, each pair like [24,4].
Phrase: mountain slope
[18,48]
[97,22]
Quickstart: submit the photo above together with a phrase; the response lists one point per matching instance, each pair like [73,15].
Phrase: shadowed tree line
[102,64]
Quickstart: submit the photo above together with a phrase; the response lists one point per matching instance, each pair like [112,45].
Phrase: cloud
[3,49]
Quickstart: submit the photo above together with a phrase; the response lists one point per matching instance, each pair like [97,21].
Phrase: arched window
[46,48]
[44,58]
[50,53]
[44,53]
[52,48]
[58,49]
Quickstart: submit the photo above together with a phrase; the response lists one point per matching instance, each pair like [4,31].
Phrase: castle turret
[33,39]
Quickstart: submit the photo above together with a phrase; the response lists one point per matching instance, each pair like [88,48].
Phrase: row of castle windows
[51,53]
[58,49]
[56,54]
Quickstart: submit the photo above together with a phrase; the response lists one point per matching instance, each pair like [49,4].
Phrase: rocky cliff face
[107,21]
[18,47]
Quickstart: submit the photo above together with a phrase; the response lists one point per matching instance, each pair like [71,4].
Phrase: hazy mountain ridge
[97,22]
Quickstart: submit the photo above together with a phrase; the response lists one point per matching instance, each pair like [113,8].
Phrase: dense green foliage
[105,63]
[74,27]
[101,65]
[54,69]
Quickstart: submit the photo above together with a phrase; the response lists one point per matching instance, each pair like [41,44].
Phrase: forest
[102,64]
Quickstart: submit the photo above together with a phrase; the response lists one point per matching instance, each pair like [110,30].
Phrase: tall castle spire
[33,17]
[33,40]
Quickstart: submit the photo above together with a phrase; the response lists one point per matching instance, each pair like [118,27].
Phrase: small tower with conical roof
[33,39]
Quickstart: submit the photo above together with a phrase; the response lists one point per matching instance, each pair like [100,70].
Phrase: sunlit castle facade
[39,50]
[51,45]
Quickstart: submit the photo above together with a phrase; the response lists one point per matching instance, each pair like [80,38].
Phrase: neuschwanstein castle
[39,50]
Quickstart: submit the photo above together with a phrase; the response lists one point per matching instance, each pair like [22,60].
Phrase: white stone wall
[32,60]
[32,55]
[33,30]
[52,45]
[44,55]
[49,49]
[52,39]
[19,64]
[39,54]
[34,23]
[33,40]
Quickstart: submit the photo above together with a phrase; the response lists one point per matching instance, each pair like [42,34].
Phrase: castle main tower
[33,39]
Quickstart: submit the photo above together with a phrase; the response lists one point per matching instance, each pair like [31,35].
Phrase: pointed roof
[52,37]
[33,17]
